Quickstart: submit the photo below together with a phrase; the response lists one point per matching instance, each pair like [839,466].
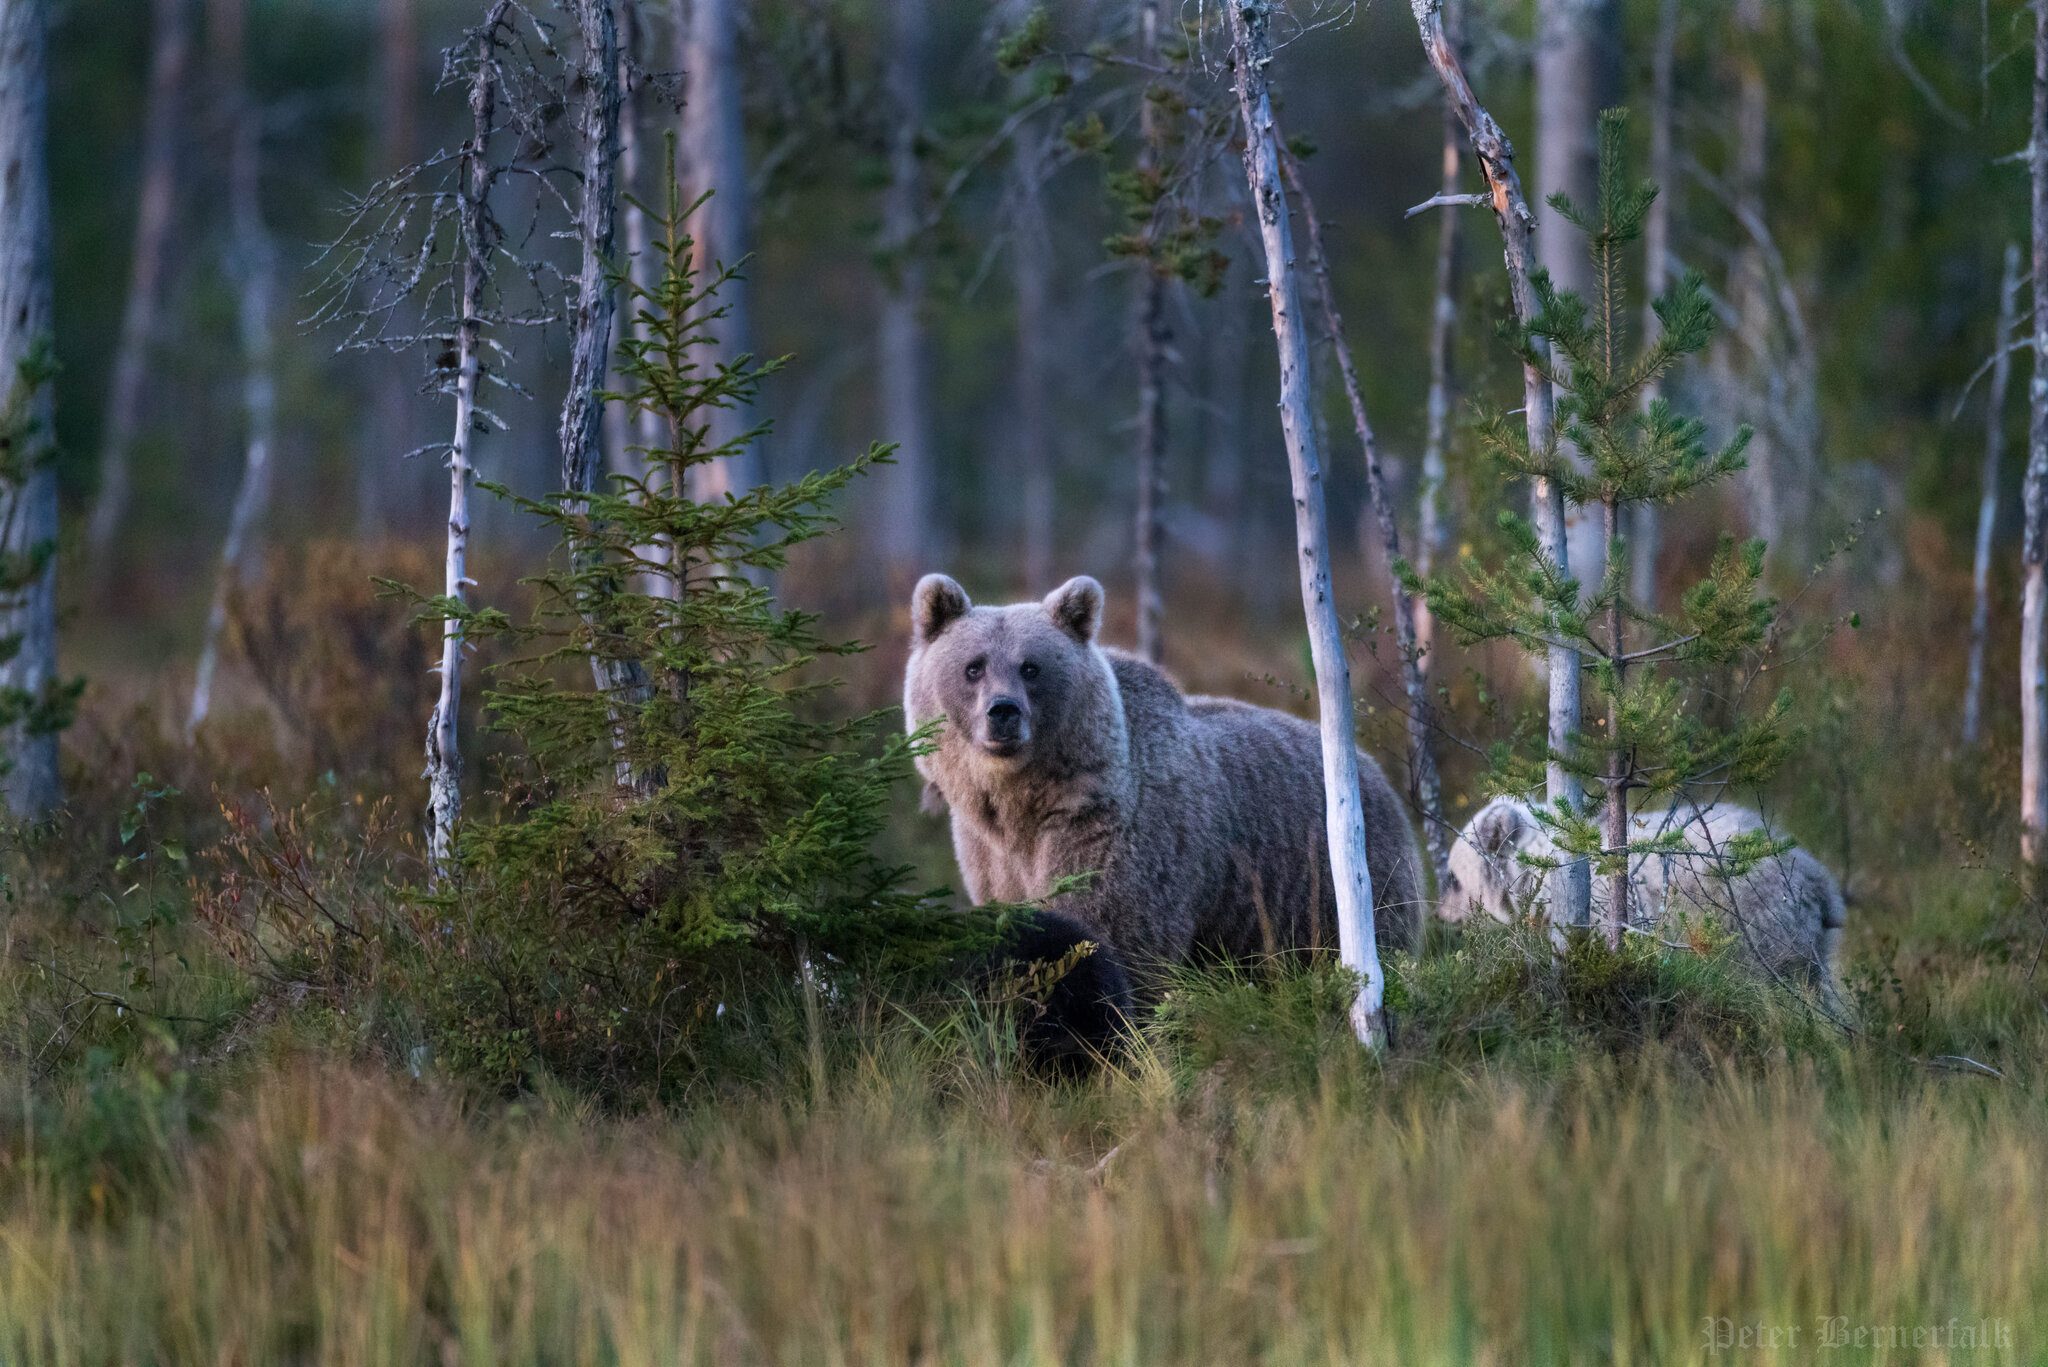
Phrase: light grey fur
[1786,911]
[1200,818]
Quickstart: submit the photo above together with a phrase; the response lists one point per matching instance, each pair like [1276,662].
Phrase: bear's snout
[1006,726]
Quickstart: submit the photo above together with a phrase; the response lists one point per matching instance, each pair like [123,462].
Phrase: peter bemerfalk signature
[1725,1333]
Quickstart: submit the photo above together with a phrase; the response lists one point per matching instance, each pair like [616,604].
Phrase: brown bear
[1199,819]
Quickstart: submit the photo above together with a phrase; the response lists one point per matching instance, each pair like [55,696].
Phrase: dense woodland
[468,896]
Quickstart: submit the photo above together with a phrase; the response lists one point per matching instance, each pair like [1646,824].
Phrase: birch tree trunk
[1443,321]
[395,381]
[476,227]
[28,486]
[904,534]
[1251,52]
[1421,715]
[1031,271]
[623,682]
[1152,341]
[1642,565]
[1570,883]
[2034,547]
[1577,73]
[714,159]
[252,265]
[1987,504]
[170,44]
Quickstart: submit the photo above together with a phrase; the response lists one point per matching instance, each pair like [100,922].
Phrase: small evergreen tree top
[1656,737]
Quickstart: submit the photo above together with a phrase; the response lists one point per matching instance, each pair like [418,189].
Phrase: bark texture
[28,493]
[170,55]
[2034,546]
[252,265]
[1422,768]
[1987,503]
[1152,340]
[1430,524]
[1251,53]
[1571,887]
[714,160]
[903,381]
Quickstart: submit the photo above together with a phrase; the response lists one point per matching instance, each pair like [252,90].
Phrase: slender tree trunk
[169,56]
[396,381]
[623,682]
[253,268]
[2034,549]
[1430,530]
[1421,715]
[1642,565]
[905,531]
[1987,504]
[28,486]
[1031,268]
[1577,72]
[1251,52]
[1619,763]
[1153,339]
[1570,886]
[714,158]
[474,222]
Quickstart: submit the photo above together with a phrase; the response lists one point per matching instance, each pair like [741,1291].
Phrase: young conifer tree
[597,927]
[1651,739]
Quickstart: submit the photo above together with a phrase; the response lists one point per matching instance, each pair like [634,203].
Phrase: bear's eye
[1030,670]
[975,671]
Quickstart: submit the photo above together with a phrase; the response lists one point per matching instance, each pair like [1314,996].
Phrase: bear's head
[1487,874]
[1014,687]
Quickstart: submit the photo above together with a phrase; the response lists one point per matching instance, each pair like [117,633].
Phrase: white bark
[1571,883]
[1152,340]
[1643,529]
[253,267]
[2034,548]
[1430,530]
[1577,45]
[1251,52]
[903,367]
[1987,502]
[28,496]
[170,41]
[714,160]
[444,750]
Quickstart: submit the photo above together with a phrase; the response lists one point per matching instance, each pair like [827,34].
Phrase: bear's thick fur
[1786,911]
[1201,819]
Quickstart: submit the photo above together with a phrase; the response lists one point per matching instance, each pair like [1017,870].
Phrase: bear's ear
[1077,607]
[936,601]
[1499,826]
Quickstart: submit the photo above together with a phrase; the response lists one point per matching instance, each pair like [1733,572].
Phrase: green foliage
[698,817]
[1663,731]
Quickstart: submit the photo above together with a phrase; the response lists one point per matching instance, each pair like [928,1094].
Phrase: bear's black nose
[1005,719]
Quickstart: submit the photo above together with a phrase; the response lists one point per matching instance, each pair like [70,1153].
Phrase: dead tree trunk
[476,231]
[1642,565]
[1987,503]
[903,382]
[1577,60]
[1570,884]
[1421,715]
[2034,548]
[714,158]
[28,486]
[623,682]
[1031,270]
[169,57]
[1251,52]
[395,381]
[252,265]
[1152,340]
[1430,530]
